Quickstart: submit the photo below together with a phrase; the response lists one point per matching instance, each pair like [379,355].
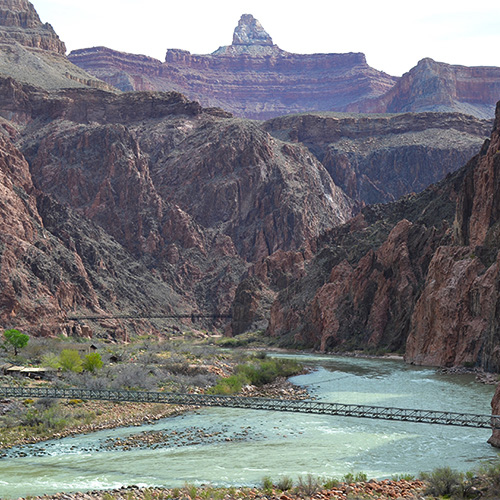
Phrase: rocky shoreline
[382,490]
[112,415]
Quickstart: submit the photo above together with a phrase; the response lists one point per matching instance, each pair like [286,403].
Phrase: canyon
[419,276]
[148,202]
[379,158]
[119,164]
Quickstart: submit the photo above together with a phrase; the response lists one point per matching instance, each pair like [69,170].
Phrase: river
[222,446]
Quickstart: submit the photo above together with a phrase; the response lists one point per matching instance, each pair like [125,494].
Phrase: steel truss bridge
[298,406]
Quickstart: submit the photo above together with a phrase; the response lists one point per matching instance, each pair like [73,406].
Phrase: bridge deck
[301,406]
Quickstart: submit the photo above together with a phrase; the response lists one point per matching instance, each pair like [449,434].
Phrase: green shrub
[402,477]
[442,481]
[489,478]
[267,484]
[229,385]
[92,362]
[285,483]
[330,484]
[50,360]
[191,490]
[263,372]
[70,360]
[308,486]
[359,477]
[257,372]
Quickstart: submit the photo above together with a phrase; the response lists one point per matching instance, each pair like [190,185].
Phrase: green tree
[92,362]
[70,360]
[16,339]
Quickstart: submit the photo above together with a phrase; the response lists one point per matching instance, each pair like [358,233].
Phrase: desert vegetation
[185,364]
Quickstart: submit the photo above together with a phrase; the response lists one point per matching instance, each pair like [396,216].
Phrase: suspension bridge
[298,406]
[193,317]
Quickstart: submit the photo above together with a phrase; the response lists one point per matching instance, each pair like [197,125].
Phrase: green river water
[222,446]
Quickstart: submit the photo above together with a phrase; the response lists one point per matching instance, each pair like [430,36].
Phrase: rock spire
[250,32]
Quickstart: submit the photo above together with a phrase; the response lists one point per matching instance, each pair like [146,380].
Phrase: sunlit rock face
[31,51]
[19,22]
[250,32]
[437,86]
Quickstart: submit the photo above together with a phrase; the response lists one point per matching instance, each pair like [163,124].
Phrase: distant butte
[251,78]
[439,87]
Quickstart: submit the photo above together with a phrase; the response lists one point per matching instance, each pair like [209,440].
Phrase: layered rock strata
[252,77]
[436,86]
[19,22]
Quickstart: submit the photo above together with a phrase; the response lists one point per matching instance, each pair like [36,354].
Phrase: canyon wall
[192,196]
[31,51]
[252,77]
[419,275]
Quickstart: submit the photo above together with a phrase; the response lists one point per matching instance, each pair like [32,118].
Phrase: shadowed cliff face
[379,158]
[192,196]
[54,261]
[463,325]
[251,78]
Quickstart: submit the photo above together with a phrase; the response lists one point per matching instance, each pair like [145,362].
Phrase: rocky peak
[250,32]
[18,13]
[249,38]
[20,22]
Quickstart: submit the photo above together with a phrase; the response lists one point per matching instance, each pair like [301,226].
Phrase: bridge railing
[301,406]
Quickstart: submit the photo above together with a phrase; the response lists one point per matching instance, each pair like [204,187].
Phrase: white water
[250,444]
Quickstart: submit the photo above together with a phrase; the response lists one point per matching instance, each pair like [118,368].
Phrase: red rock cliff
[400,277]
[455,320]
[191,195]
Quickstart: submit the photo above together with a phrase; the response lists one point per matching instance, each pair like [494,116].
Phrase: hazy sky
[394,35]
